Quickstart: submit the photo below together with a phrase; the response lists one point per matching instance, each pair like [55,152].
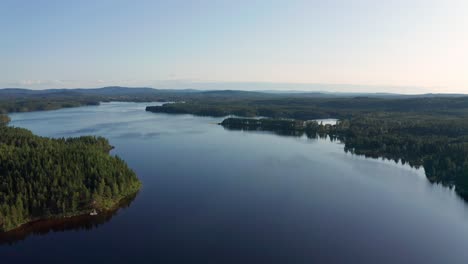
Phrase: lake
[212,195]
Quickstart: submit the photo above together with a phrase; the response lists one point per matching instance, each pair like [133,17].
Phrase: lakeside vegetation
[28,105]
[46,178]
[24,100]
[440,146]
[306,108]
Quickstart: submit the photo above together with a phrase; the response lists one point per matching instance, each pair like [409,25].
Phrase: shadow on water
[81,222]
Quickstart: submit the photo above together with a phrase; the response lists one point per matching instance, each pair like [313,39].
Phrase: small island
[43,178]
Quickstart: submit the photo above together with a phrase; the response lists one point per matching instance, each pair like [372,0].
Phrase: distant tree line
[316,108]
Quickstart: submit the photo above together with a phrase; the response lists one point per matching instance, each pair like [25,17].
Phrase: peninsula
[42,178]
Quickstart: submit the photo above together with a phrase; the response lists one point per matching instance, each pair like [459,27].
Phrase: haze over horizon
[247,86]
[334,46]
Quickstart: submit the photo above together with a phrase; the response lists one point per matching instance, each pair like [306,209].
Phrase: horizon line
[252,90]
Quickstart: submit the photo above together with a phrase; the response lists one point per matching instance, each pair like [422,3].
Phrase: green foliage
[314,108]
[4,120]
[440,146]
[42,177]
[42,104]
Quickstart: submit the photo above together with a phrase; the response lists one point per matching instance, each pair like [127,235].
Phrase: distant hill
[105,91]
[116,91]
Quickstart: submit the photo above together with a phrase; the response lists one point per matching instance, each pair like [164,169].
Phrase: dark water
[216,196]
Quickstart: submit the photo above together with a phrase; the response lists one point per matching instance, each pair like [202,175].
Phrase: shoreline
[81,213]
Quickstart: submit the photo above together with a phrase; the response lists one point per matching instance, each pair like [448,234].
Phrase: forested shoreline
[429,132]
[44,178]
[307,108]
[425,131]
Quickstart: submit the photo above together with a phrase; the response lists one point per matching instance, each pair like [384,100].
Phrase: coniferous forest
[42,177]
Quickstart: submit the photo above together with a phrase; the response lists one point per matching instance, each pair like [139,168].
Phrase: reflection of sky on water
[216,195]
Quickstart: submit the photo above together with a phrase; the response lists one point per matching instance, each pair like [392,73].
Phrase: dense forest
[440,146]
[307,108]
[303,105]
[42,177]
[24,100]
[42,104]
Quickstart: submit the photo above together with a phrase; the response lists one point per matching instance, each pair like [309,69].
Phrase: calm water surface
[216,196]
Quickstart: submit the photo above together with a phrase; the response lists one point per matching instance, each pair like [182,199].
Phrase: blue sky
[407,46]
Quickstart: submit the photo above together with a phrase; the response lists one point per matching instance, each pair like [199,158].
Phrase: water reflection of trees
[77,223]
[444,158]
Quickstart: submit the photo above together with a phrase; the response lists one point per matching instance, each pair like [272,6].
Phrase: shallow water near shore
[212,195]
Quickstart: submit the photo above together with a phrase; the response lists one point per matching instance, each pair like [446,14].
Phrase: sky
[403,46]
